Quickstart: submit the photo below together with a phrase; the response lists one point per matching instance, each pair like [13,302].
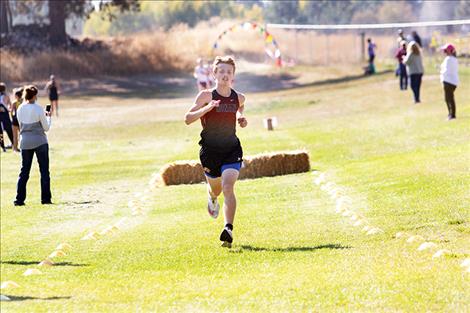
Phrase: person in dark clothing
[14,119]
[34,122]
[371,52]
[5,121]
[400,55]
[52,88]
[221,154]
[416,38]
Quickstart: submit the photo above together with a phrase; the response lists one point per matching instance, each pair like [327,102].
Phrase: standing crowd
[410,68]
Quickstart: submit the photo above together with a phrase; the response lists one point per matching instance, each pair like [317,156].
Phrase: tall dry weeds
[177,50]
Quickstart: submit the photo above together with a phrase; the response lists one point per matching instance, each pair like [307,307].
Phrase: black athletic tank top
[219,124]
[53,90]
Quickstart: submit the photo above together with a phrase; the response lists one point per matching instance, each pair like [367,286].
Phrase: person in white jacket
[450,77]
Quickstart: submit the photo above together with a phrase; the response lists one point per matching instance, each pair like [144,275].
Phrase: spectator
[52,88]
[414,67]
[5,105]
[34,121]
[450,77]
[400,55]
[371,51]
[416,38]
[400,38]
[201,73]
[14,119]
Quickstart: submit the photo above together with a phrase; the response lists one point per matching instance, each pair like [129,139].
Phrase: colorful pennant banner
[271,49]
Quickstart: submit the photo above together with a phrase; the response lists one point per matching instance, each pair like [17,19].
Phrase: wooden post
[270,123]
[296,47]
[311,47]
[327,49]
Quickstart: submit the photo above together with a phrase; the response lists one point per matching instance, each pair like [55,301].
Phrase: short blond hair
[223,60]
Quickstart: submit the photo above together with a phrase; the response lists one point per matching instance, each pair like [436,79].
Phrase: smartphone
[48,108]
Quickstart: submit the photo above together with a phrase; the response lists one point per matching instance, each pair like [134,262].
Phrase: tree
[462,10]
[60,10]
[57,34]
[5,18]
[283,12]
[392,12]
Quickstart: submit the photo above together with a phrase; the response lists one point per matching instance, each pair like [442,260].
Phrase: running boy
[221,153]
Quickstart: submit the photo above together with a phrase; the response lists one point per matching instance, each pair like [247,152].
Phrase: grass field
[403,165]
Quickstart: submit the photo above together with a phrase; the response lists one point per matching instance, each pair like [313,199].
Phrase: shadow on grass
[24,298]
[80,202]
[145,86]
[249,82]
[37,262]
[177,85]
[294,249]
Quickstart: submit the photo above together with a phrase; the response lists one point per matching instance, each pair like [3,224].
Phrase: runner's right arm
[201,106]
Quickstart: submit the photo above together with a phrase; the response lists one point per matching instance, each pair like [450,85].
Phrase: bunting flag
[271,45]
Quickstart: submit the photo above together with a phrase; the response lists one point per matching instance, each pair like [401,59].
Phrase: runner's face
[224,74]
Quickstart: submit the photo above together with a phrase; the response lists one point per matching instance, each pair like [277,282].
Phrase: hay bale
[274,164]
[182,172]
[262,165]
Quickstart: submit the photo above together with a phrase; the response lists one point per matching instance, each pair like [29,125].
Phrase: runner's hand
[242,121]
[213,104]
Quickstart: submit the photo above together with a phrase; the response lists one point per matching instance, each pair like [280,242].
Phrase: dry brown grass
[157,51]
[126,56]
[177,49]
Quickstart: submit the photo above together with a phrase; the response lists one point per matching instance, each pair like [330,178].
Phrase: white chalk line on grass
[344,207]
[137,209]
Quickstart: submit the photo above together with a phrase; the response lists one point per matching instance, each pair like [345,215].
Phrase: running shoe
[226,237]
[213,207]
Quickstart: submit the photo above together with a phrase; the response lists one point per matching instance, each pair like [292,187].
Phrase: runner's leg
[229,177]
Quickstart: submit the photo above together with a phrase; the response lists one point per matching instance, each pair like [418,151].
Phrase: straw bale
[262,165]
[182,172]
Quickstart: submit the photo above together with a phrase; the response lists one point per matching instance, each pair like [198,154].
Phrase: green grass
[404,166]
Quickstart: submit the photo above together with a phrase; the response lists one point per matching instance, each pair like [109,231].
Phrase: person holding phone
[221,154]
[34,122]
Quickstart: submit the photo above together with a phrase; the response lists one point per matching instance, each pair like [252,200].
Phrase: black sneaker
[17,203]
[46,202]
[226,237]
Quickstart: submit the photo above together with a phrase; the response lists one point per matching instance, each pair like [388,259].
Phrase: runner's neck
[224,91]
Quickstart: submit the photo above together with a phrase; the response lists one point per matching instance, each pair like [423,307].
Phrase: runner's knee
[227,188]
